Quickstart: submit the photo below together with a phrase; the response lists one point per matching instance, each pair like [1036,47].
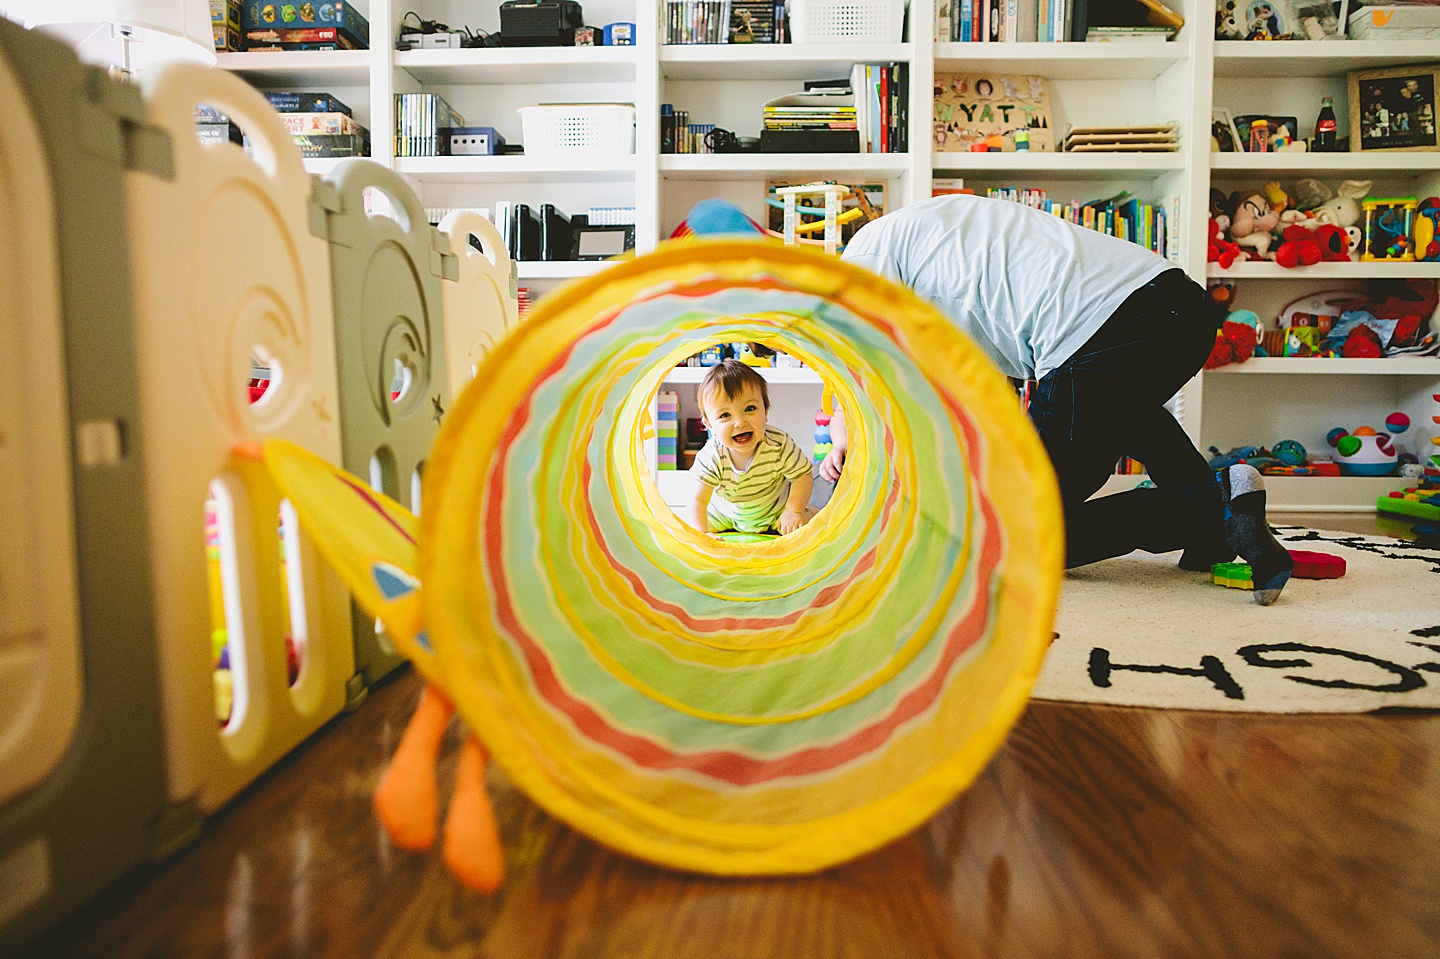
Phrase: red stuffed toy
[1410,302]
[1362,343]
[1298,248]
[1234,343]
[1219,249]
[1333,241]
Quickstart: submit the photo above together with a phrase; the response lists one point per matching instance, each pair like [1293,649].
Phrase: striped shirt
[752,499]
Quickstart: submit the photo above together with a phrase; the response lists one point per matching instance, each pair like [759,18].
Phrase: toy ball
[1290,452]
[1397,422]
[1334,436]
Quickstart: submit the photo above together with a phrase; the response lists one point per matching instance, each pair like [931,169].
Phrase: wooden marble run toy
[829,218]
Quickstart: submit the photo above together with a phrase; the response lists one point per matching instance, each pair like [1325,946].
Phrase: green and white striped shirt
[750,500]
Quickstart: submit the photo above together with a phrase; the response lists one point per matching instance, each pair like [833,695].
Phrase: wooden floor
[1096,831]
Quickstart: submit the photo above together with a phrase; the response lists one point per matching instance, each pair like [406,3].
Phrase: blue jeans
[1107,401]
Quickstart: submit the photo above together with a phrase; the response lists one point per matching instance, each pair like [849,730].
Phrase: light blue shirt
[1029,287]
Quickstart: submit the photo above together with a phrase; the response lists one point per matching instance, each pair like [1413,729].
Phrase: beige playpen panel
[481,307]
[40,679]
[224,265]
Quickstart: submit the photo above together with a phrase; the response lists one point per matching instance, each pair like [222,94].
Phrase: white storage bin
[847,21]
[567,128]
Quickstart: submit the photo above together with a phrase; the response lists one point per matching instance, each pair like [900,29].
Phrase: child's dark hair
[732,377]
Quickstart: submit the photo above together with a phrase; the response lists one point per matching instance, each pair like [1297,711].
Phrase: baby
[752,477]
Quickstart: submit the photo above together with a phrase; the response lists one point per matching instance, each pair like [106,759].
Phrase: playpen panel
[40,681]
[226,270]
[482,305]
[390,340]
[70,432]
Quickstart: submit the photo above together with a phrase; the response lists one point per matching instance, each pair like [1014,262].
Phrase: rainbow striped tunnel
[734,708]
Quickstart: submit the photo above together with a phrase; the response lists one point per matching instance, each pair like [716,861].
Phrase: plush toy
[1220,250]
[1298,248]
[745,353]
[1334,243]
[1368,452]
[1251,221]
[1279,200]
[1235,340]
[1411,302]
[1362,343]
[1344,208]
[1220,208]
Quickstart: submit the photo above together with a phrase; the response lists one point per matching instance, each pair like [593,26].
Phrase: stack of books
[815,122]
[883,111]
[1157,138]
[1050,21]
[1119,34]
[697,21]
[757,21]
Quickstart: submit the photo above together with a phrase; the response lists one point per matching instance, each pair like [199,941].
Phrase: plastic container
[847,21]
[568,128]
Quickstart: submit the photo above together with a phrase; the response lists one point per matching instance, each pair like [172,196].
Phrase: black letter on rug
[1255,656]
[1210,667]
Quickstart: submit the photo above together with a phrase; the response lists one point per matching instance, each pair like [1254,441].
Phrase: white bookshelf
[1089,84]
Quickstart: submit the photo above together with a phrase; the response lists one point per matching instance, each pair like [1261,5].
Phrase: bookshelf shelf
[1287,365]
[558,270]
[772,374]
[1389,165]
[769,61]
[1061,165]
[1131,60]
[1315,58]
[749,166]
[301,69]
[517,169]
[1325,271]
[559,65]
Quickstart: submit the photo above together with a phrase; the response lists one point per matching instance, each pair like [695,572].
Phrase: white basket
[568,128]
[847,21]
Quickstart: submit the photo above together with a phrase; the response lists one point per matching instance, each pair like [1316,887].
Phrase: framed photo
[1223,136]
[1394,109]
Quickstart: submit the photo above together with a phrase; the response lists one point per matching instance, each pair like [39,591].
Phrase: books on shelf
[1154,226]
[1158,138]
[975,113]
[1048,21]
[419,117]
[1127,34]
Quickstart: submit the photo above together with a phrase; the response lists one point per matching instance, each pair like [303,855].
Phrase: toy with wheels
[727,708]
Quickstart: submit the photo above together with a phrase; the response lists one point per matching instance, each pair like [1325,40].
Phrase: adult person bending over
[1110,331]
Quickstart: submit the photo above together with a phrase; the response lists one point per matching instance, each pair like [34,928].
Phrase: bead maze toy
[1388,230]
[828,218]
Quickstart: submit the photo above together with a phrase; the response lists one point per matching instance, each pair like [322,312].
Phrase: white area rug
[1139,631]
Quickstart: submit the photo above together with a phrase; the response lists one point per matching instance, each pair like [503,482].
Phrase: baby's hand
[791,520]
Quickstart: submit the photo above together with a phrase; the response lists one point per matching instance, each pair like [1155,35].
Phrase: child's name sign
[976,112]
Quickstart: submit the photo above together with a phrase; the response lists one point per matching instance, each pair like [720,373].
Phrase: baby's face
[737,422]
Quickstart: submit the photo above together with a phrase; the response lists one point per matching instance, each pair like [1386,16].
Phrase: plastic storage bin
[567,128]
[847,21]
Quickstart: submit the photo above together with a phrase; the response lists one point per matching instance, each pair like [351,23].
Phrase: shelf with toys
[1266,270]
[1142,60]
[752,166]
[1292,59]
[1059,165]
[1404,165]
[800,375]
[1331,366]
[772,61]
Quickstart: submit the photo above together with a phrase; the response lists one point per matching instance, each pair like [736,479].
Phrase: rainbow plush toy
[706,705]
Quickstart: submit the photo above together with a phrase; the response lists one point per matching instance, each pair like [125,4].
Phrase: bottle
[1260,136]
[1325,127]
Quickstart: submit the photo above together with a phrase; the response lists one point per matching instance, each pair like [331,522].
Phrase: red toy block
[1310,565]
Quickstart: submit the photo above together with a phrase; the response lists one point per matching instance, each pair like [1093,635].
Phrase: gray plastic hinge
[356,692]
[324,200]
[514,280]
[445,265]
[139,145]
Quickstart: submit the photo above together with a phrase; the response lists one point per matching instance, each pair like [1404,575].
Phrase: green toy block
[1233,575]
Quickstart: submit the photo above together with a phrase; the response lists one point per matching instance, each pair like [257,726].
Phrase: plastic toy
[829,218]
[1233,575]
[823,443]
[1315,565]
[1418,501]
[1427,229]
[1367,452]
[1387,230]
[745,353]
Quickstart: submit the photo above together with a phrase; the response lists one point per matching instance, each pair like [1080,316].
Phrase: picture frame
[1394,110]
[1224,138]
[599,241]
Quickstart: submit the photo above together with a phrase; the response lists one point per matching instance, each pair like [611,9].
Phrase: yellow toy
[728,708]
